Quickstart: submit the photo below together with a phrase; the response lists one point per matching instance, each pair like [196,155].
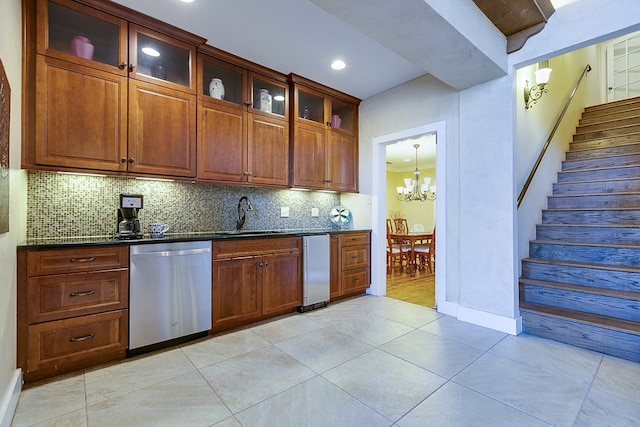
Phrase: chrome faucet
[242,217]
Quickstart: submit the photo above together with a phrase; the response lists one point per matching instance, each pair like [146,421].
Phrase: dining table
[411,238]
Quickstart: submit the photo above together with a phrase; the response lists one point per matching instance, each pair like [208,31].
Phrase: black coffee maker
[128,222]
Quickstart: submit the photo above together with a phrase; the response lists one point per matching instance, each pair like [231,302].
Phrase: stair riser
[594,153]
[605,162]
[604,255]
[624,217]
[596,187]
[592,337]
[606,133]
[611,107]
[605,142]
[582,276]
[603,305]
[607,125]
[619,235]
[600,174]
[607,116]
[611,201]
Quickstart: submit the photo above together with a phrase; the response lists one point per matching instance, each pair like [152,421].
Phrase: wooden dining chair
[396,255]
[390,228]
[401,225]
[425,254]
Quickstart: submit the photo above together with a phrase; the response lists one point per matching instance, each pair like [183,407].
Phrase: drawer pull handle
[79,339]
[90,259]
[355,257]
[355,280]
[81,294]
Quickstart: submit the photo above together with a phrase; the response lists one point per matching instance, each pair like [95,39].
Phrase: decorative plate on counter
[340,216]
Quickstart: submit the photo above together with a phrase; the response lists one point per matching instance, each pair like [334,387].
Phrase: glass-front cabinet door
[76,33]
[343,116]
[158,59]
[310,106]
[269,96]
[222,82]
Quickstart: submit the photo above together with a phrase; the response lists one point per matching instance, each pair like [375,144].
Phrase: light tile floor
[367,361]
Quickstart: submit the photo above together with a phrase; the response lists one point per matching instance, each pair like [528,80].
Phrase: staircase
[581,282]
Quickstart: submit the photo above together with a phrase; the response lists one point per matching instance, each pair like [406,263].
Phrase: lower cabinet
[72,308]
[255,279]
[350,263]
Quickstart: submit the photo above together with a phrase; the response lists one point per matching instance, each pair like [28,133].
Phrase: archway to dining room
[423,287]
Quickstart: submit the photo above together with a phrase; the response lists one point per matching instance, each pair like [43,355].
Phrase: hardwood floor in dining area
[419,290]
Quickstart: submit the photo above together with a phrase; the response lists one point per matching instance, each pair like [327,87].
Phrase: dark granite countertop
[50,243]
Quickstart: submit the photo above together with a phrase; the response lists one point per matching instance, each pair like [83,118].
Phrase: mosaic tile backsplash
[86,206]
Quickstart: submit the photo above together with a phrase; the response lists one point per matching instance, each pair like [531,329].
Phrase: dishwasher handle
[172,253]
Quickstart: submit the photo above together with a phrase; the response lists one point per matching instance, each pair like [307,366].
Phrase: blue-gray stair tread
[620,338]
[602,186]
[622,278]
[590,233]
[597,253]
[603,200]
[605,302]
[600,173]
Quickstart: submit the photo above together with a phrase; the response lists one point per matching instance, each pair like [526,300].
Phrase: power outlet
[315,212]
[284,212]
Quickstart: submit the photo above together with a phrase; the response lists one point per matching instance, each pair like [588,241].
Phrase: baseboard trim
[489,320]
[10,400]
[448,308]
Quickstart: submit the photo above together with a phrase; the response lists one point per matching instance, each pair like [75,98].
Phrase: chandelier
[415,190]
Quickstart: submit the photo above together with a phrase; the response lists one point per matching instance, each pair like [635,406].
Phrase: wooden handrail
[587,68]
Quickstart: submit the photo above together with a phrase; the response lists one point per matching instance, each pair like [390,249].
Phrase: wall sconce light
[533,93]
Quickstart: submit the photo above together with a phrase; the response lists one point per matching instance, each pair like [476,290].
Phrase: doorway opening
[380,211]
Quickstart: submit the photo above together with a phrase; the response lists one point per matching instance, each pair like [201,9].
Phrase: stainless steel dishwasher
[169,292]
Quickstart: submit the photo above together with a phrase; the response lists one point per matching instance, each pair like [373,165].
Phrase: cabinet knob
[123,65]
[261,264]
[329,124]
[123,160]
[266,264]
[248,102]
[131,160]
[132,67]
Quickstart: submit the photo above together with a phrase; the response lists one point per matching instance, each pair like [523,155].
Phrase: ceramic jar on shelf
[82,47]
[216,88]
[264,100]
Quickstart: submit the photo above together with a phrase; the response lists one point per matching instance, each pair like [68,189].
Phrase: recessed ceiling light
[150,51]
[338,64]
[187,1]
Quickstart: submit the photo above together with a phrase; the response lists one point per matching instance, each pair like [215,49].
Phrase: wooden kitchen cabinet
[115,109]
[324,137]
[255,279]
[350,264]
[72,308]
[241,140]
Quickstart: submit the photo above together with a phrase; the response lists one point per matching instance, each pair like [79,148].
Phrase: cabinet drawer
[351,239]
[55,261]
[72,340]
[355,257]
[242,247]
[69,295]
[355,280]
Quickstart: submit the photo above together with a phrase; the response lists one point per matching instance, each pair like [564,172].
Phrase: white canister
[264,100]
[216,88]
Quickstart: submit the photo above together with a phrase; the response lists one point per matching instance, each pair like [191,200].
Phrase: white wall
[535,124]
[420,102]
[482,170]
[11,56]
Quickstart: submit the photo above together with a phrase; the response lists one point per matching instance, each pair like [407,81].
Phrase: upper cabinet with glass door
[77,33]
[162,60]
